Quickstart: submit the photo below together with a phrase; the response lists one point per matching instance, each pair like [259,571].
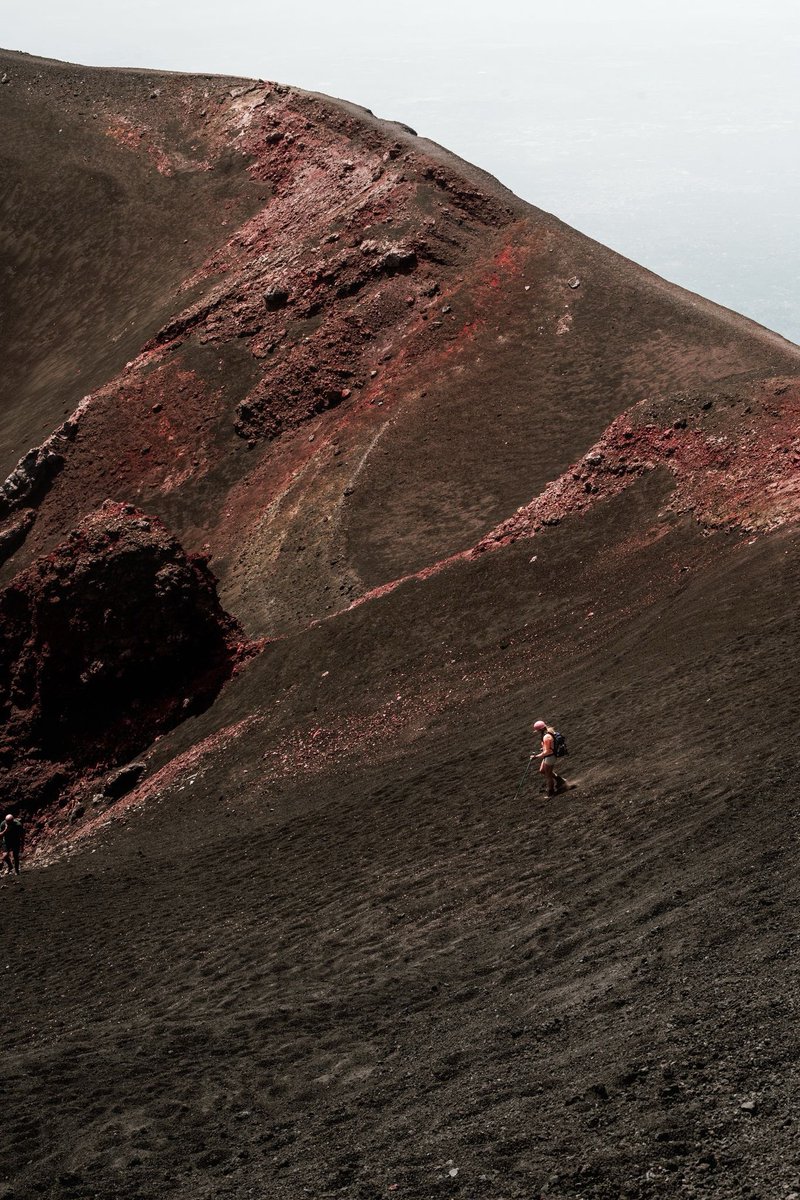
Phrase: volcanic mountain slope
[455,466]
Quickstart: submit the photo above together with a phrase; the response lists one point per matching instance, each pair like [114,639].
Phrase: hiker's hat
[539,725]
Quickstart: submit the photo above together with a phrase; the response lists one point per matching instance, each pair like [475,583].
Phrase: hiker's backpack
[14,831]
[559,745]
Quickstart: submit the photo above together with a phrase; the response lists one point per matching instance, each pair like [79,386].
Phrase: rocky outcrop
[104,643]
[38,467]
[732,456]
[123,780]
[13,532]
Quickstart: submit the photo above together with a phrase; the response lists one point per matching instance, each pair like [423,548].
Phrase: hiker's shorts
[549,761]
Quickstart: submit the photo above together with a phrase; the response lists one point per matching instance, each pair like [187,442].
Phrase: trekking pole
[521,783]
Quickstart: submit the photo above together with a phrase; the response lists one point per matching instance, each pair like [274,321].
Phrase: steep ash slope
[462,467]
[383,301]
[109,198]
[327,950]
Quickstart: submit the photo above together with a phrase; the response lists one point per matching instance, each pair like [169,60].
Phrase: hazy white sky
[668,130]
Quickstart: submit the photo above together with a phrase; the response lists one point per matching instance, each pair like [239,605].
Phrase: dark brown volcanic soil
[461,468]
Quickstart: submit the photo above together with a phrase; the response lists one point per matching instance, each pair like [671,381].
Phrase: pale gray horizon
[667,131]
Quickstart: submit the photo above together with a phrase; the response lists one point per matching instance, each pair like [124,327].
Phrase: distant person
[12,836]
[547,758]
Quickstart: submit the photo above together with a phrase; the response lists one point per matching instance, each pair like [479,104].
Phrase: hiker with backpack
[554,747]
[12,839]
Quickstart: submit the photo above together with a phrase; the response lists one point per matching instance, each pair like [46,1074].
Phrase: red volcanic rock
[104,643]
[733,464]
[345,339]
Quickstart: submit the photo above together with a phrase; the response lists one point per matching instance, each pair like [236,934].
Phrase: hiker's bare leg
[546,770]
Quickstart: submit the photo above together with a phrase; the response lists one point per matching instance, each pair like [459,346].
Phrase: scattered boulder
[276,298]
[123,780]
[389,258]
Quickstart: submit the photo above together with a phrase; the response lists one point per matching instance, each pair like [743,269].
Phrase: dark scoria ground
[459,467]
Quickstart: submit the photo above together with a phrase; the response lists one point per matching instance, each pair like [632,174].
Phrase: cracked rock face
[105,642]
